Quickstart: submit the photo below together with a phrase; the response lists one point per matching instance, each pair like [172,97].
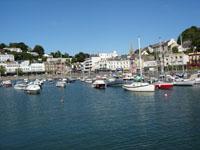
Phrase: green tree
[2,70]
[20,45]
[65,55]
[175,49]
[19,72]
[190,38]
[80,57]
[2,45]
[56,54]
[38,49]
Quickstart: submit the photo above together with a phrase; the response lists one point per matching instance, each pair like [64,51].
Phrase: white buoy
[62,100]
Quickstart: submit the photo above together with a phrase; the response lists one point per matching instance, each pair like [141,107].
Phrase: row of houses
[51,66]
[159,55]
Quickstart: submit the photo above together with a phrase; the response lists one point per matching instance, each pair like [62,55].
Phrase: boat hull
[33,91]
[142,88]
[99,86]
[184,83]
[115,83]
[163,86]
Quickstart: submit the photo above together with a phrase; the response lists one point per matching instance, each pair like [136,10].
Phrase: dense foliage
[79,57]
[38,49]
[191,39]
[58,54]
[2,70]
[21,45]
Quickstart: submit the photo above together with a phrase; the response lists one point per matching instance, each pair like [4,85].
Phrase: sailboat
[139,86]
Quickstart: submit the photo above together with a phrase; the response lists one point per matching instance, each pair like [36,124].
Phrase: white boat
[20,86]
[61,84]
[99,84]
[196,78]
[139,87]
[7,83]
[33,89]
[183,82]
[88,80]
[26,80]
[114,81]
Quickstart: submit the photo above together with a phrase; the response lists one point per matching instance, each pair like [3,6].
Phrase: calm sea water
[111,119]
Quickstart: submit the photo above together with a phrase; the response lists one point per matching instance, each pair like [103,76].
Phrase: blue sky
[94,25]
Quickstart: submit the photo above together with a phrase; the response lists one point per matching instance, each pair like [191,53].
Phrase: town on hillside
[165,56]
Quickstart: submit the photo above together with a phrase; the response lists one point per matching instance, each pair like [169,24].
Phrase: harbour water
[81,117]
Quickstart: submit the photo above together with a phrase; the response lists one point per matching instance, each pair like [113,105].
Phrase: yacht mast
[140,61]
[182,53]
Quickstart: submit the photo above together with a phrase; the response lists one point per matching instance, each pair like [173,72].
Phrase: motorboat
[113,81]
[61,84]
[183,82]
[26,80]
[139,87]
[33,89]
[99,84]
[163,85]
[196,78]
[6,83]
[71,80]
[88,80]
[20,86]
[38,82]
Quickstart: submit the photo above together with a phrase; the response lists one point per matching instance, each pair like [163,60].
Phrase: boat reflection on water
[145,94]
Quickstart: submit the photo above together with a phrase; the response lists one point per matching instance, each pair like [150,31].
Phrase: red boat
[163,85]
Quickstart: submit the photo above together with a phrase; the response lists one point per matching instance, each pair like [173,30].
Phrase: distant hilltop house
[18,50]
[108,55]
[161,47]
[47,56]
[33,53]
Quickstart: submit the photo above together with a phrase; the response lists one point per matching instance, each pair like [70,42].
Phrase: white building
[6,57]
[150,64]
[37,67]
[61,60]
[18,50]
[25,67]
[90,64]
[176,59]
[113,64]
[12,67]
[108,55]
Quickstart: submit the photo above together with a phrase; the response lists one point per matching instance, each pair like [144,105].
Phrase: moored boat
[7,83]
[33,89]
[183,82]
[61,84]
[114,81]
[20,86]
[88,80]
[99,84]
[139,87]
[163,85]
